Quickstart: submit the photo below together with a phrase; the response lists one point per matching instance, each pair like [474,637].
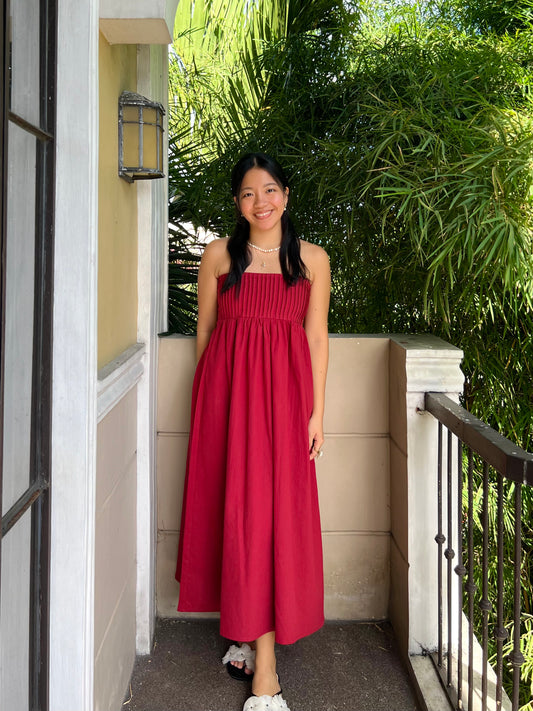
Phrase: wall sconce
[140,137]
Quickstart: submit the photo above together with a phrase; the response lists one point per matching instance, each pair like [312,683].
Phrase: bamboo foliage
[218,82]
[219,86]
[408,139]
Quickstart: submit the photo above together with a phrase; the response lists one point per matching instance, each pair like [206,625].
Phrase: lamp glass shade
[150,116]
[130,114]
[140,137]
[151,155]
[131,146]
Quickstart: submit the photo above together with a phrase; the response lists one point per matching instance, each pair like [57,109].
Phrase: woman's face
[261,200]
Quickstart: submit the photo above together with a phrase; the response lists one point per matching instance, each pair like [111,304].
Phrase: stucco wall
[116,465]
[117,211]
[353,475]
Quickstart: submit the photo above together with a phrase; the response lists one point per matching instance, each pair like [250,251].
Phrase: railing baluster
[471,586]
[485,605]
[449,553]
[502,465]
[516,657]
[440,540]
[500,632]
[460,570]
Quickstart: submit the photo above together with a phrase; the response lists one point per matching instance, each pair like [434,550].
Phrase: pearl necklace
[260,249]
[265,251]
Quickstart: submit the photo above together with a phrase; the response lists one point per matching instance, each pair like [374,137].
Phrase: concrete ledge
[431,364]
[431,694]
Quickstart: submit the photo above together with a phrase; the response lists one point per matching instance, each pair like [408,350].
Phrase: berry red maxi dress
[250,543]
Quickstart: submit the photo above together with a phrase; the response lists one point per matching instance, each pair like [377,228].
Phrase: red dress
[250,542]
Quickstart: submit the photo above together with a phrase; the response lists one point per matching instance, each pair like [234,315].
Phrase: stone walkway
[344,666]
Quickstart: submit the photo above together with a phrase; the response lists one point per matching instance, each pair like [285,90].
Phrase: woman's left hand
[316,436]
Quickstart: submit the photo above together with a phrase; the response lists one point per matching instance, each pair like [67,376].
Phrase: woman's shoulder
[314,251]
[314,257]
[216,257]
[216,247]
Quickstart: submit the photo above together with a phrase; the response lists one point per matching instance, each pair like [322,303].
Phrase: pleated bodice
[264,296]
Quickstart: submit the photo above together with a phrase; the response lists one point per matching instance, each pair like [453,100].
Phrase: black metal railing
[481,477]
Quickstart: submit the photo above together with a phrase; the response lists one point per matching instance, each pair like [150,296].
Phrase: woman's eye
[245,195]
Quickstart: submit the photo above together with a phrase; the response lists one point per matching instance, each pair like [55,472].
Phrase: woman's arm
[316,328]
[212,257]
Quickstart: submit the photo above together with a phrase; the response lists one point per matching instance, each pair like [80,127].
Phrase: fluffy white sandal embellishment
[266,703]
[244,653]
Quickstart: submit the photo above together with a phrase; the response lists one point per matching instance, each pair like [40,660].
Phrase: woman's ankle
[265,667]
[265,684]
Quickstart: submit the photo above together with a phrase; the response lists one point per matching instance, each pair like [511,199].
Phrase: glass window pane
[15,616]
[25,88]
[19,304]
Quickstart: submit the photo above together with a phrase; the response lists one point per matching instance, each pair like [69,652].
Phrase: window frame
[37,495]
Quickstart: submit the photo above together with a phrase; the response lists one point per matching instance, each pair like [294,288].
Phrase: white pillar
[152,314]
[74,360]
[431,365]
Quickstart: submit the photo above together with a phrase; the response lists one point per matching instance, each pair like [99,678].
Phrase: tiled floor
[348,666]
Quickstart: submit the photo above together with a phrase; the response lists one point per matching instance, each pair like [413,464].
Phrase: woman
[250,541]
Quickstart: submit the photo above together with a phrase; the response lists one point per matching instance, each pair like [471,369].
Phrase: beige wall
[117,211]
[353,479]
[353,475]
[115,553]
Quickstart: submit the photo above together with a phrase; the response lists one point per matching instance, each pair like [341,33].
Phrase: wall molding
[118,377]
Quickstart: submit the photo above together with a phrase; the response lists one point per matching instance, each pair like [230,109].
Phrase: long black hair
[292,266]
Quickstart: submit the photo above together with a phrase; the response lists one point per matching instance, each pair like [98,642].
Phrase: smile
[263,215]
